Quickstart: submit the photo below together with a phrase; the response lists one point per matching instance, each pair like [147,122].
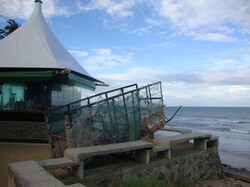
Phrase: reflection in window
[11,94]
[37,96]
[64,94]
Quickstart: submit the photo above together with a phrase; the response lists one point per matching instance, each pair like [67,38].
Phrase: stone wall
[23,131]
[186,169]
[183,169]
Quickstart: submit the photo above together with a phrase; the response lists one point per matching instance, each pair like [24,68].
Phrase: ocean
[231,124]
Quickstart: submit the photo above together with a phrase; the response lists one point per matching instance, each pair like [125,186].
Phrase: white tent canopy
[34,46]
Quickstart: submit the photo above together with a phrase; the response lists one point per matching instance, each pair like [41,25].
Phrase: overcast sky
[199,49]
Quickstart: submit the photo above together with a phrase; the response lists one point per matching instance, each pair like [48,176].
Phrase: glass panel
[11,95]
[64,94]
[24,96]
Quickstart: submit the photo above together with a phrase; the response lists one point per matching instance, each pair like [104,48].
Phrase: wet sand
[235,161]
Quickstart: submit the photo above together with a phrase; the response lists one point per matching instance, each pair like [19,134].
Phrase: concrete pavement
[16,152]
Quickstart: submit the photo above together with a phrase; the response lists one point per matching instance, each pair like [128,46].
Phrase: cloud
[148,27]
[236,76]
[146,74]
[208,17]
[212,95]
[142,75]
[206,88]
[223,72]
[218,37]
[204,20]
[226,65]
[239,89]
[105,52]
[141,31]
[16,9]
[23,9]
[190,14]
[244,53]
[209,20]
[224,82]
[120,9]
[104,58]
[55,8]
[243,16]
[79,53]
[225,62]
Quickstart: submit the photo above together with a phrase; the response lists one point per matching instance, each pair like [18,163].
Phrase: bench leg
[79,170]
[143,155]
[165,154]
[200,144]
[213,143]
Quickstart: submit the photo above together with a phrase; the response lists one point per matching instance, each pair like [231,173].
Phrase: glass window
[10,95]
[64,94]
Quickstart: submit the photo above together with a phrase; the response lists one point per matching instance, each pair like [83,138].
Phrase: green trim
[80,81]
[26,75]
[44,75]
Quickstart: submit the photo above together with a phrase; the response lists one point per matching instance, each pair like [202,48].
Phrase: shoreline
[236,167]
[235,161]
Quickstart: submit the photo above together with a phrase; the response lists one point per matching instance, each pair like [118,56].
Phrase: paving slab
[30,173]
[76,153]
[175,129]
[17,152]
[57,163]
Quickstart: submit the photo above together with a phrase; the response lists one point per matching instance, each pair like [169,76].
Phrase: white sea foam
[230,124]
[240,131]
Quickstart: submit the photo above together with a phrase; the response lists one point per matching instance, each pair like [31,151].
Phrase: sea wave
[227,121]
[221,129]
[230,124]
[240,131]
[243,122]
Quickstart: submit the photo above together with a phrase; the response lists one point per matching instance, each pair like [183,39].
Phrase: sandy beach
[235,161]
[237,167]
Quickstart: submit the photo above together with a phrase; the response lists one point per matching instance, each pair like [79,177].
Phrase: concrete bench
[163,146]
[30,173]
[142,153]
[174,129]
[56,163]
[213,142]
